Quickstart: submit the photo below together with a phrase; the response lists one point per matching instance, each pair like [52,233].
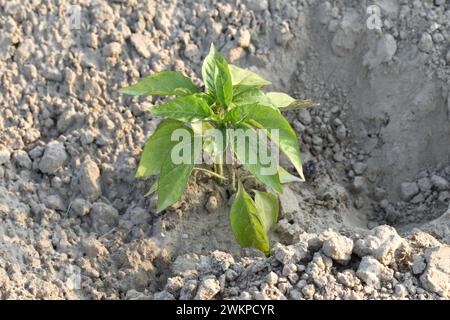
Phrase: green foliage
[233,100]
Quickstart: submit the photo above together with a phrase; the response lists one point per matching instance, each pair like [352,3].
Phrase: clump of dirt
[75,223]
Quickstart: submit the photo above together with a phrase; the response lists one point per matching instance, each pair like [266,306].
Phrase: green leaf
[246,144]
[247,224]
[280,99]
[174,177]
[286,177]
[222,81]
[245,77]
[217,78]
[186,109]
[162,83]
[251,96]
[267,118]
[153,189]
[157,147]
[285,102]
[268,207]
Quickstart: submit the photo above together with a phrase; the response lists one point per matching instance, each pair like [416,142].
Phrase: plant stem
[218,168]
[214,174]
[233,176]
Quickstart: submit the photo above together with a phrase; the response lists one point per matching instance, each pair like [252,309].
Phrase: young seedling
[225,122]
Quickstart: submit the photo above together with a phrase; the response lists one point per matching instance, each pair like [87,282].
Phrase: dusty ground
[371,222]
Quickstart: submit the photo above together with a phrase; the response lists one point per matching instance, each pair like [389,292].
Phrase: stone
[244,38]
[381,243]
[139,43]
[346,37]
[54,157]
[436,277]
[426,43]
[289,269]
[192,52]
[447,57]
[80,207]
[359,168]
[324,12]
[408,190]
[112,49]
[418,265]
[339,248]
[22,159]
[383,52]
[359,184]
[94,248]
[271,278]
[212,204]
[257,5]
[372,272]
[5,155]
[439,183]
[284,254]
[341,133]
[55,202]
[208,289]
[103,216]
[89,179]
[304,116]
[424,184]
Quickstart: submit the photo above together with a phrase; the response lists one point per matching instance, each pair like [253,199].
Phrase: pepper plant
[232,102]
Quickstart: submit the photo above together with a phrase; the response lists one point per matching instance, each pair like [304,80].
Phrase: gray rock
[5,155]
[426,43]
[80,207]
[359,168]
[271,278]
[94,248]
[304,116]
[436,277]
[338,248]
[208,289]
[257,5]
[55,202]
[439,183]
[24,50]
[22,159]
[346,37]
[384,51]
[419,264]
[192,52]
[382,243]
[341,133]
[103,217]
[359,184]
[408,190]
[424,184]
[54,157]
[285,254]
[89,179]
[372,272]
[188,290]
[112,49]
[447,57]
[289,269]
[324,12]
[139,43]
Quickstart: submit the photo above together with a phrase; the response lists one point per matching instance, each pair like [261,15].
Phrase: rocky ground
[74,223]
